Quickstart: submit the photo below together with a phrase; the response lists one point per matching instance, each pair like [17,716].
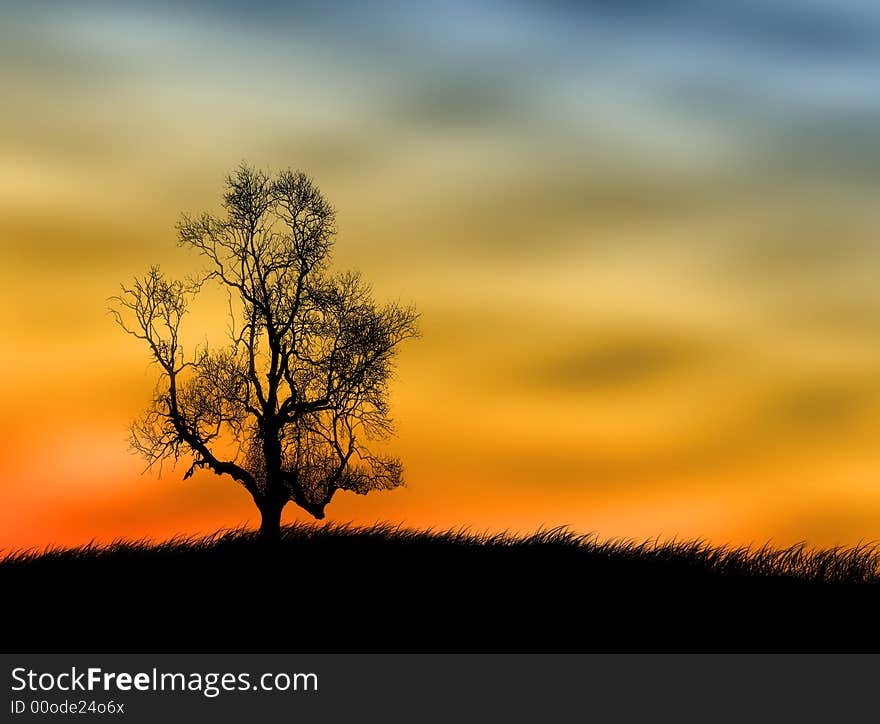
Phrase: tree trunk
[270,522]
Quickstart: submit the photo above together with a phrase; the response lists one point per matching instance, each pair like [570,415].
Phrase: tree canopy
[290,405]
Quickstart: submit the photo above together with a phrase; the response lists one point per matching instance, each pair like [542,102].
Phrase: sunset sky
[644,243]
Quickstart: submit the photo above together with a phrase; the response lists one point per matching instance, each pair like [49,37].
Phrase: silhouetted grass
[850,565]
[341,587]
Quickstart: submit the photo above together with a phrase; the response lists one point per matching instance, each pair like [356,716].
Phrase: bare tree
[289,406]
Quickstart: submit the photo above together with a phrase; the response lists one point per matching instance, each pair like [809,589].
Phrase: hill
[342,588]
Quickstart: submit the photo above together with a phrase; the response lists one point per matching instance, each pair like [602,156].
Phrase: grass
[340,587]
[858,564]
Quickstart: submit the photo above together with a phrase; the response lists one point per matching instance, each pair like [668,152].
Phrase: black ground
[382,589]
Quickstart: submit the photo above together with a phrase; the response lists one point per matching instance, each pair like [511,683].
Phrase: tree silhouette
[289,405]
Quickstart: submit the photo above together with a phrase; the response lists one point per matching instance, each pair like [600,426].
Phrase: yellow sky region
[627,389]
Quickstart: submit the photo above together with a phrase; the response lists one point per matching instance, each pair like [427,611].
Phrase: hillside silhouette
[382,588]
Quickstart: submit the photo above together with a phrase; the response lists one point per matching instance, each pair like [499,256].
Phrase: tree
[289,406]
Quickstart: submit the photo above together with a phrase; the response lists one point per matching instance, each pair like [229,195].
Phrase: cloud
[625,360]
[831,407]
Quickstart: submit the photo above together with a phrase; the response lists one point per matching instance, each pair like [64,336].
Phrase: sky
[642,238]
